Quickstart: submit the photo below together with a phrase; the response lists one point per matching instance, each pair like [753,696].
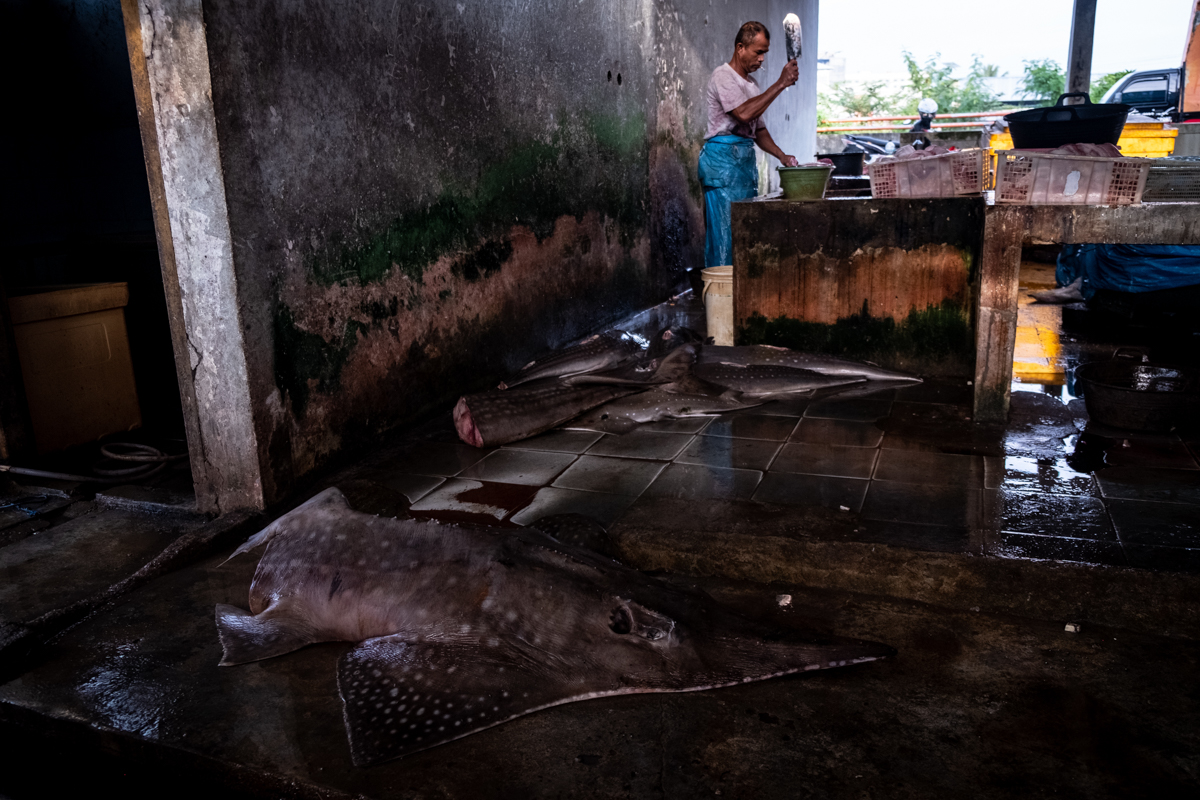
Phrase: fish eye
[620,621]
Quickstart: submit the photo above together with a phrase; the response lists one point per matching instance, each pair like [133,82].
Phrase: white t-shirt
[726,91]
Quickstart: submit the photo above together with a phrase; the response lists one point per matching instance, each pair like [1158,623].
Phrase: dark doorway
[76,206]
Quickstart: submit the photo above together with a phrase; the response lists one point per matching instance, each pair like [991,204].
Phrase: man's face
[751,57]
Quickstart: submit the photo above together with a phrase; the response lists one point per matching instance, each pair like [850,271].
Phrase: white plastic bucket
[718,303]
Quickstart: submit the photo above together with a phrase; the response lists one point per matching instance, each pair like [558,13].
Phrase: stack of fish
[612,383]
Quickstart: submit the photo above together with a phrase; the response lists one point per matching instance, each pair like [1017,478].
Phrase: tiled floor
[908,463]
[913,474]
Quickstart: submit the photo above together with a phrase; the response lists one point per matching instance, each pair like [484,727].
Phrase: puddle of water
[1050,475]
[475,502]
[1062,390]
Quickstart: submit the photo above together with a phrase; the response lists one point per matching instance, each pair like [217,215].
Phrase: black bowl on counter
[845,163]
[1058,125]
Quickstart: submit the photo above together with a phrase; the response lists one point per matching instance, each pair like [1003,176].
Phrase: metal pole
[1079,61]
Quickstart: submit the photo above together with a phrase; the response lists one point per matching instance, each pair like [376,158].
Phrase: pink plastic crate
[948,175]
[1024,177]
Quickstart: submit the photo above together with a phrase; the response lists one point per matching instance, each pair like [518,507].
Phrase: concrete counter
[927,285]
[890,281]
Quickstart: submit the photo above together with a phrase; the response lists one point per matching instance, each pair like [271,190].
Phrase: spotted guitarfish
[459,629]
[767,355]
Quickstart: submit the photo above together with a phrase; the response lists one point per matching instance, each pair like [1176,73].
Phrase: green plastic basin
[804,183]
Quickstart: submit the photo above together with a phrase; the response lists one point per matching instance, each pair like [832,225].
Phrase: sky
[870,34]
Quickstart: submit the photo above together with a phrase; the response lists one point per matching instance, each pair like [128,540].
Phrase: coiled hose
[114,465]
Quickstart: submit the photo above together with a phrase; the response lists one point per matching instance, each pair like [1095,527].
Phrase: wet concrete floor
[888,516]
[992,705]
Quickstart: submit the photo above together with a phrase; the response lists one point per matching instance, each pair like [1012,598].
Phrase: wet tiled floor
[907,463]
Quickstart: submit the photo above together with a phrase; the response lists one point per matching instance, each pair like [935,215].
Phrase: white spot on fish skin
[511,616]
[420,711]
[395,691]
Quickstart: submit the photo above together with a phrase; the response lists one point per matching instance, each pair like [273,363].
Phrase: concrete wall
[421,196]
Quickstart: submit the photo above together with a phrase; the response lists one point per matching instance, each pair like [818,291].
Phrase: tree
[1103,84]
[937,81]
[865,100]
[1044,79]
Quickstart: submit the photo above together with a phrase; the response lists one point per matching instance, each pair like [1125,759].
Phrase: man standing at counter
[735,108]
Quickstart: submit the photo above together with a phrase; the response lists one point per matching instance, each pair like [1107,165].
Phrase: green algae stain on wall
[590,163]
[301,357]
[936,332]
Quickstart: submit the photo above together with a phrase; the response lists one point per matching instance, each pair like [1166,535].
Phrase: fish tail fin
[246,637]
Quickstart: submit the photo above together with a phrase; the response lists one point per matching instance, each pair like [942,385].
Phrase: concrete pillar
[792,118]
[169,59]
[1079,60]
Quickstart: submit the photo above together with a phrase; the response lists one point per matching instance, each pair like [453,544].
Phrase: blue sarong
[1129,267]
[728,172]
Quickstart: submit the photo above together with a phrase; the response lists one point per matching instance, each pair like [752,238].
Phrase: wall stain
[934,333]
[484,261]
[304,361]
[589,163]
[760,258]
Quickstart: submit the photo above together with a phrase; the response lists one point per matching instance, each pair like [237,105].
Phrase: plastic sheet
[728,172]
[1128,267]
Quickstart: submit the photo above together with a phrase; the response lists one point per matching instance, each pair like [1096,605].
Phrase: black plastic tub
[1139,396]
[845,163]
[1057,125]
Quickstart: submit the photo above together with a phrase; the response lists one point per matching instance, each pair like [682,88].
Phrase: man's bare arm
[755,106]
[763,139]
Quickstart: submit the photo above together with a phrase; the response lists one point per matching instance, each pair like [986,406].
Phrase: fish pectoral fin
[331,498]
[401,697]
[246,637]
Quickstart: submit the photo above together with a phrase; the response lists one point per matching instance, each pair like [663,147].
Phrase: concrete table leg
[996,331]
